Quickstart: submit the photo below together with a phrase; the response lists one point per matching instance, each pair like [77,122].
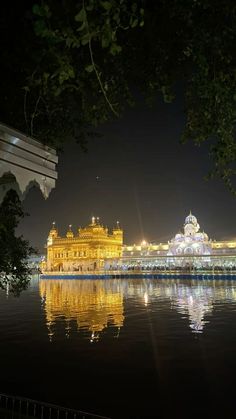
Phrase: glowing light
[92,308]
[145,298]
[85,251]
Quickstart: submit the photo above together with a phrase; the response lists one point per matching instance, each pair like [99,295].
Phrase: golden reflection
[93,305]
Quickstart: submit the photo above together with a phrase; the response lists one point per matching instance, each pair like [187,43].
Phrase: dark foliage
[72,65]
[14,251]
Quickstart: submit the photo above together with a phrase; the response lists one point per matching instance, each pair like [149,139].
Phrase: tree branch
[95,69]
[33,115]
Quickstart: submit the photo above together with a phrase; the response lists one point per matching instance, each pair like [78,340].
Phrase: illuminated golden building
[222,247]
[153,249]
[93,248]
[92,305]
[88,250]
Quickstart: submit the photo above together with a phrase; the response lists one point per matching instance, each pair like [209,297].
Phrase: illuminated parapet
[224,247]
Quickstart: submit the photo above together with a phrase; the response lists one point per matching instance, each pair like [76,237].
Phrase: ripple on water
[160,338]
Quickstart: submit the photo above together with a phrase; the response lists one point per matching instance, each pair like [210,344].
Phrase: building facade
[190,247]
[189,242]
[93,248]
[88,250]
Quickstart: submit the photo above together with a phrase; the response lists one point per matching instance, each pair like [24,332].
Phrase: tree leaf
[81,16]
[134,23]
[89,68]
[106,5]
[81,28]
[37,10]
[85,39]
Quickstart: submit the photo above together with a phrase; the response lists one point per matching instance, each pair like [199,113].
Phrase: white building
[191,241]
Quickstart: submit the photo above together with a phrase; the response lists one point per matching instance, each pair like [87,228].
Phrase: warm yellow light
[85,251]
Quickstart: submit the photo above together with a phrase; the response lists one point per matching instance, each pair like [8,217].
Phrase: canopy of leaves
[75,64]
[14,251]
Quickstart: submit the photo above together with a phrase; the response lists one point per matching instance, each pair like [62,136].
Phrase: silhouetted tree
[14,251]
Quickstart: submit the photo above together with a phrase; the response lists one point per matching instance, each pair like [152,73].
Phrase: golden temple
[86,251]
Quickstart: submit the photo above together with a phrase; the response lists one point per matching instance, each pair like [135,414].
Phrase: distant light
[143,243]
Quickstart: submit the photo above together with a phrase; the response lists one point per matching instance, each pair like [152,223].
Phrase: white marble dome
[191,219]
[178,236]
[192,242]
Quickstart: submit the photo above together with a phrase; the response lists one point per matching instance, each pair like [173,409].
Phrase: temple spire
[70,233]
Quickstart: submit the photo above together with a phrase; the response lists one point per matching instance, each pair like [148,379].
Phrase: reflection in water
[99,304]
[190,298]
[94,305]
[197,302]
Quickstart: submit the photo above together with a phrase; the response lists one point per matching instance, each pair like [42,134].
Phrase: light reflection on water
[95,305]
[92,305]
[123,348]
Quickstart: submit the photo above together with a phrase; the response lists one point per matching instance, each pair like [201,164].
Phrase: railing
[21,407]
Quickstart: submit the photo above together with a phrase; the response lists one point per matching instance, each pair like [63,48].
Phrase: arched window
[188,250]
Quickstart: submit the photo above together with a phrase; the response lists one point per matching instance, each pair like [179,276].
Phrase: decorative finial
[70,226]
[53,224]
[98,220]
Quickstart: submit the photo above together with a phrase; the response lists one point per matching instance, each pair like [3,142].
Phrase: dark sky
[146,180]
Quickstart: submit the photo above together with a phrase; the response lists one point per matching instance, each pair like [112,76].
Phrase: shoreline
[140,275]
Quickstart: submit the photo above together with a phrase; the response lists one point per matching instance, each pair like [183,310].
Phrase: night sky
[137,173]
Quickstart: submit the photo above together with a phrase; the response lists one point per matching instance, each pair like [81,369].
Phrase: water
[123,348]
